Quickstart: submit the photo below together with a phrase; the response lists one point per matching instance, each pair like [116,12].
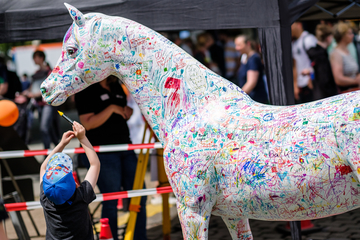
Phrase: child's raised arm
[67,136]
[94,170]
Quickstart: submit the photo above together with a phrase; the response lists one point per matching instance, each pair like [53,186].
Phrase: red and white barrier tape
[10,207]
[106,148]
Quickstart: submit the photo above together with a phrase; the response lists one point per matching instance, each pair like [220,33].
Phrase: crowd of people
[325,64]
[25,92]
[232,55]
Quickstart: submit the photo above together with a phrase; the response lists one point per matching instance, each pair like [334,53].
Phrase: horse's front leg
[194,205]
[194,185]
[239,228]
[194,221]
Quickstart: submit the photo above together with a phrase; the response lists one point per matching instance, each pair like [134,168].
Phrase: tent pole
[271,48]
[290,11]
[277,58]
[287,70]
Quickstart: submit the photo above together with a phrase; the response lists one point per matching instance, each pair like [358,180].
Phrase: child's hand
[79,130]
[67,136]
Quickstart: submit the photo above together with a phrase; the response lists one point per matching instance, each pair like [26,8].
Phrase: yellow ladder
[138,184]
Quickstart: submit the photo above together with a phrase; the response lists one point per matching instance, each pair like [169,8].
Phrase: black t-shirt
[324,83]
[95,99]
[259,93]
[14,85]
[65,222]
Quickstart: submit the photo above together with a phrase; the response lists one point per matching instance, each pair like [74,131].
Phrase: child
[65,206]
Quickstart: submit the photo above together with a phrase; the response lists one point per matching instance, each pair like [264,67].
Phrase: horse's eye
[71,51]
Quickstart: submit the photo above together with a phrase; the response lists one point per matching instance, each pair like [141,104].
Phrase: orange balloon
[9,113]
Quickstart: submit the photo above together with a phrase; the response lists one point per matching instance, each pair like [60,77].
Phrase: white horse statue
[224,154]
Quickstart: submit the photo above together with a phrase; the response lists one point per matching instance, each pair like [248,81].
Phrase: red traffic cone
[305,225]
[105,232]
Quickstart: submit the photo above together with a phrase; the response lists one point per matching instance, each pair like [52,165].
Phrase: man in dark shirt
[95,99]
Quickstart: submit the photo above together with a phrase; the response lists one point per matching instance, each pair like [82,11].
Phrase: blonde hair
[323,31]
[340,30]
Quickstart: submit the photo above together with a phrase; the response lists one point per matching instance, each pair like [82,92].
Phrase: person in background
[232,57]
[186,42]
[250,73]
[103,111]
[174,37]
[49,118]
[3,78]
[21,126]
[354,47]
[324,83]
[11,88]
[217,53]
[351,46]
[24,122]
[357,42]
[303,41]
[202,53]
[9,81]
[344,67]
[25,82]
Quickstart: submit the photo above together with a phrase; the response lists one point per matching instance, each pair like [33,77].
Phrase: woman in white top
[344,66]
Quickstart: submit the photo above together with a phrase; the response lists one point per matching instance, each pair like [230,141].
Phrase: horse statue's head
[153,68]
[83,60]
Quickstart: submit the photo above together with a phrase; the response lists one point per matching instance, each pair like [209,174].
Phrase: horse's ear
[76,15]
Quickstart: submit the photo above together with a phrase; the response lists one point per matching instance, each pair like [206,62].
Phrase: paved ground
[339,227]
[342,227]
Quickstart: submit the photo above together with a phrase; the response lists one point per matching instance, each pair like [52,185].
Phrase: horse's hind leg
[239,228]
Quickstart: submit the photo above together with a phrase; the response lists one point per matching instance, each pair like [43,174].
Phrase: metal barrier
[22,206]
[106,148]
[138,181]
[14,208]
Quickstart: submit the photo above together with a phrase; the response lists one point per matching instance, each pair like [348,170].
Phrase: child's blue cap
[58,181]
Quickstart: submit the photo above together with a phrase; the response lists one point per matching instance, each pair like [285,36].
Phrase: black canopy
[331,9]
[39,19]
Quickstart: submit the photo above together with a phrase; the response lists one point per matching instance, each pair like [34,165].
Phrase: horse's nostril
[43,90]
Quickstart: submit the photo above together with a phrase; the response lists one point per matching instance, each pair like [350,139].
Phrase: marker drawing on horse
[224,154]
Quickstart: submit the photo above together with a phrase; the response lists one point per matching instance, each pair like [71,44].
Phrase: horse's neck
[166,81]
